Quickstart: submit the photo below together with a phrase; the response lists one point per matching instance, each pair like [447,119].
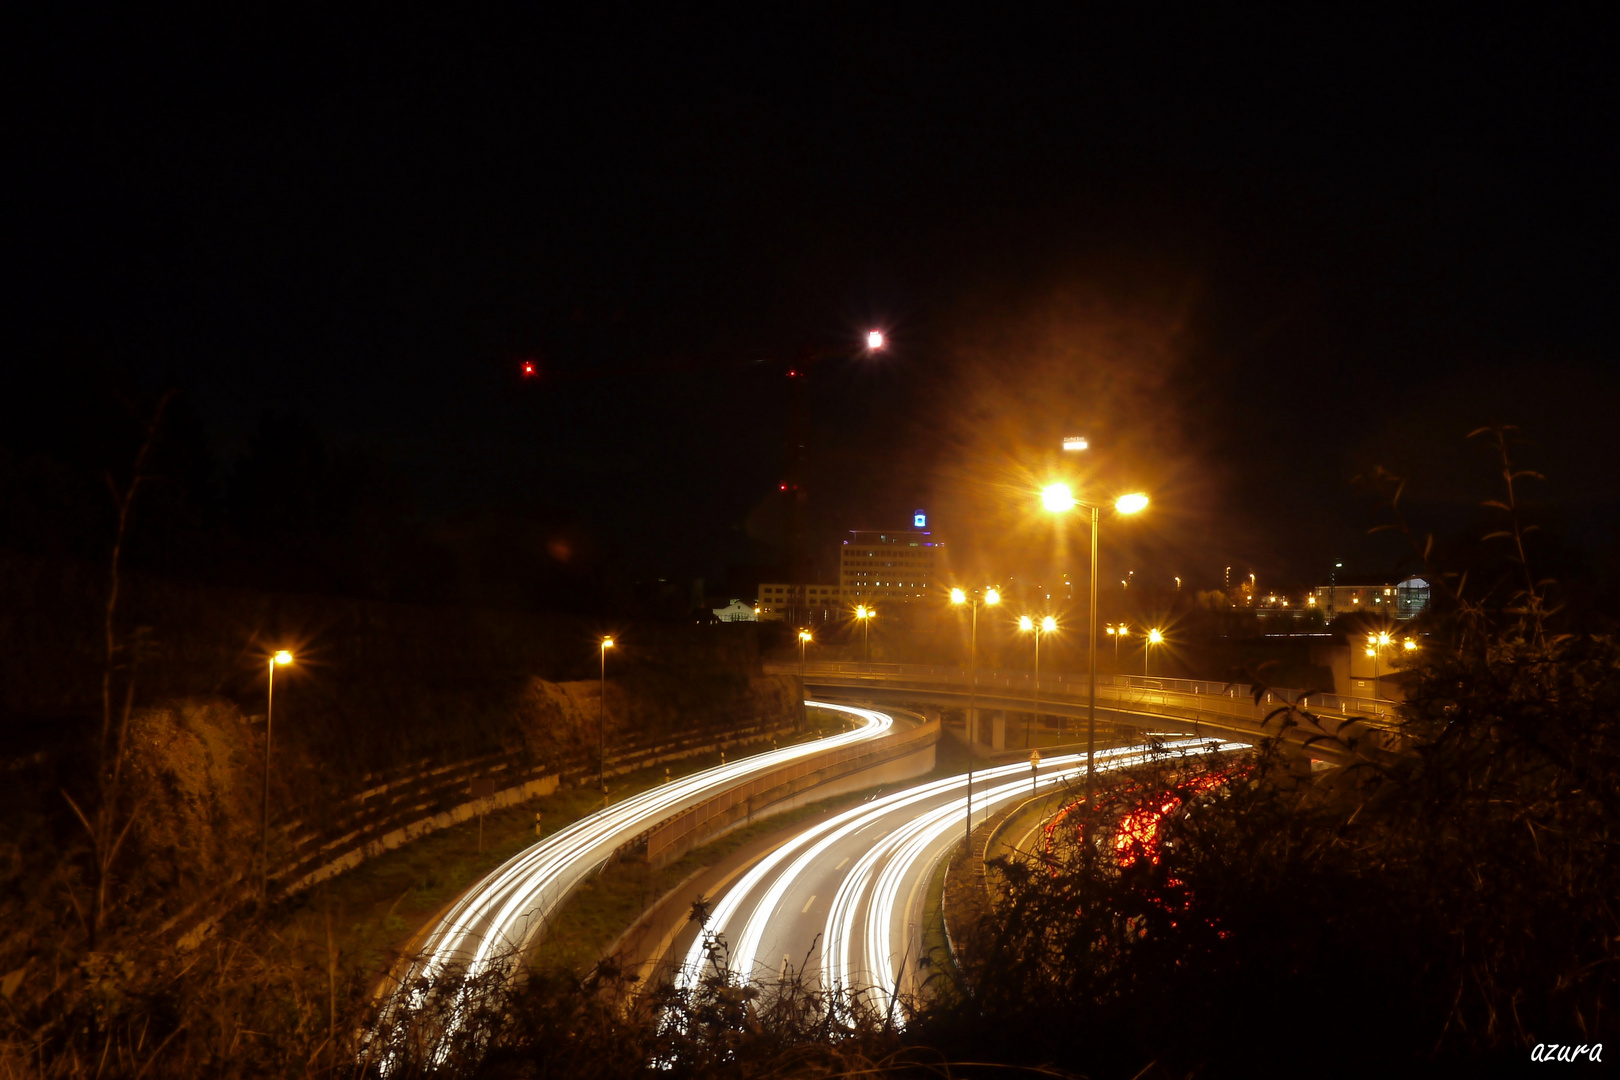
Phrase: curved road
[844,897]
[498,917]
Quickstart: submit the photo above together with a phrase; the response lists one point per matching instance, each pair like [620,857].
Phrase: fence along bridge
[1328,727]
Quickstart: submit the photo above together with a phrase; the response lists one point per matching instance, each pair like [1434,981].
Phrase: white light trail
[502,913]
[874,895]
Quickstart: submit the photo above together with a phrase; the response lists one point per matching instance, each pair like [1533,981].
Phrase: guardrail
[1228,707]
[1072,682]
[674,836]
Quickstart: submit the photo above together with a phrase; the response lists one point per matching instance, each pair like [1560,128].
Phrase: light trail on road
[497,918]
[890,846]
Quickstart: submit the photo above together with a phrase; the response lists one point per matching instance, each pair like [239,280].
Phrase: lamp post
[1045,626]
[1376,644]
[281,659]
[1116,634]
[991,599]
[1154,637]
[804,639]
[864,614]
[601,724]
[1058,499]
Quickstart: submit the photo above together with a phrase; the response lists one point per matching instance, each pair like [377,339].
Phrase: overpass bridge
[1327,727]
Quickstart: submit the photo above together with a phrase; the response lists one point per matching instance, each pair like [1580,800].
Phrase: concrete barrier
[900,756]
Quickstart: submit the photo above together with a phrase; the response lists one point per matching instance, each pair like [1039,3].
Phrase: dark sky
[1289,250]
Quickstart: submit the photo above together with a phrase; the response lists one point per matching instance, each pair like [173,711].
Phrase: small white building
[737,611]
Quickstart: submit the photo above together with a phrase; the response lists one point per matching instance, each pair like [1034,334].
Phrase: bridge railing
[1187,697]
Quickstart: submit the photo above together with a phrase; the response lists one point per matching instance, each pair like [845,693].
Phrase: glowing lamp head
[283,658]
[1409,644]
[1155,637]
[992,597]
[1057,498]
[1371,653]
[1048,625]
[1383,639]
[528,369]
[863,612]
[1025,622]
[607,643]
[1131,504]
[1124,630]
[1112,631]
[804,635]
[874,340]
[958,596]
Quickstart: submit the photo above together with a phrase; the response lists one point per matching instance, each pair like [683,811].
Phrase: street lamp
[1058,499]
[864,614]
[1154,637]
[804,639]
[1117,634]
[991,598]
[1376,644]
[281,659]
[1045,626]
[601,724]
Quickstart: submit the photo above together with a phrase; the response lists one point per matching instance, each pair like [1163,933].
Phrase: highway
[843,898]
[496,919]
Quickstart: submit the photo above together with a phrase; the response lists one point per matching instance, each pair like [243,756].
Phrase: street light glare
[992,597]
[958,596]
[1383,639]
[1025,623]
[1048,624]
[1409,644]
[607,643]
[804,635]
[874,340]
[1057,498]
[283,657]
[1155,637]
[1130,504]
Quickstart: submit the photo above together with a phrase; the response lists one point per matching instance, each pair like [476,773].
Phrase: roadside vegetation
[1449,911]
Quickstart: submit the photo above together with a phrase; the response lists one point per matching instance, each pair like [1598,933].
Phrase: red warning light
[528,369]
[781,487]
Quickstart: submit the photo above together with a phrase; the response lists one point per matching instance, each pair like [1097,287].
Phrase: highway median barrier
[905,754]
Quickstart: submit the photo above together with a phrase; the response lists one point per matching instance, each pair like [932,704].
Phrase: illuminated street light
[1131,504]
[1045,626]
[864,614]
[991,599]
[1409,644]
[874,340]
[1376,643]
[804,639]
[281,659]
[601,724]
[1118,633]
[1154,637]
[1057,498]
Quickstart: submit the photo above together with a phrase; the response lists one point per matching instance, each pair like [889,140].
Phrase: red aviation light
[528,369]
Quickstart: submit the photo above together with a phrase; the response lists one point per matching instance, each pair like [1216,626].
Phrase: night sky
[1249,259]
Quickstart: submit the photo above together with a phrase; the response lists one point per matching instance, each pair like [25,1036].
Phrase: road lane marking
[806,909]
[843,863]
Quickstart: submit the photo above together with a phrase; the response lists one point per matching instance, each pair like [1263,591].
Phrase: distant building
[1399,600]
[737,611]
[804,604]
[884,567]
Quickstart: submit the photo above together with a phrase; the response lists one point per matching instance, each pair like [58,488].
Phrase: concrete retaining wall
[899,756]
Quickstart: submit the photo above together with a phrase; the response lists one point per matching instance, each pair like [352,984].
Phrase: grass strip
[375,909]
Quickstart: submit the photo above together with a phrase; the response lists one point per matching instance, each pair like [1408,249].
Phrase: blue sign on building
[920,519]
